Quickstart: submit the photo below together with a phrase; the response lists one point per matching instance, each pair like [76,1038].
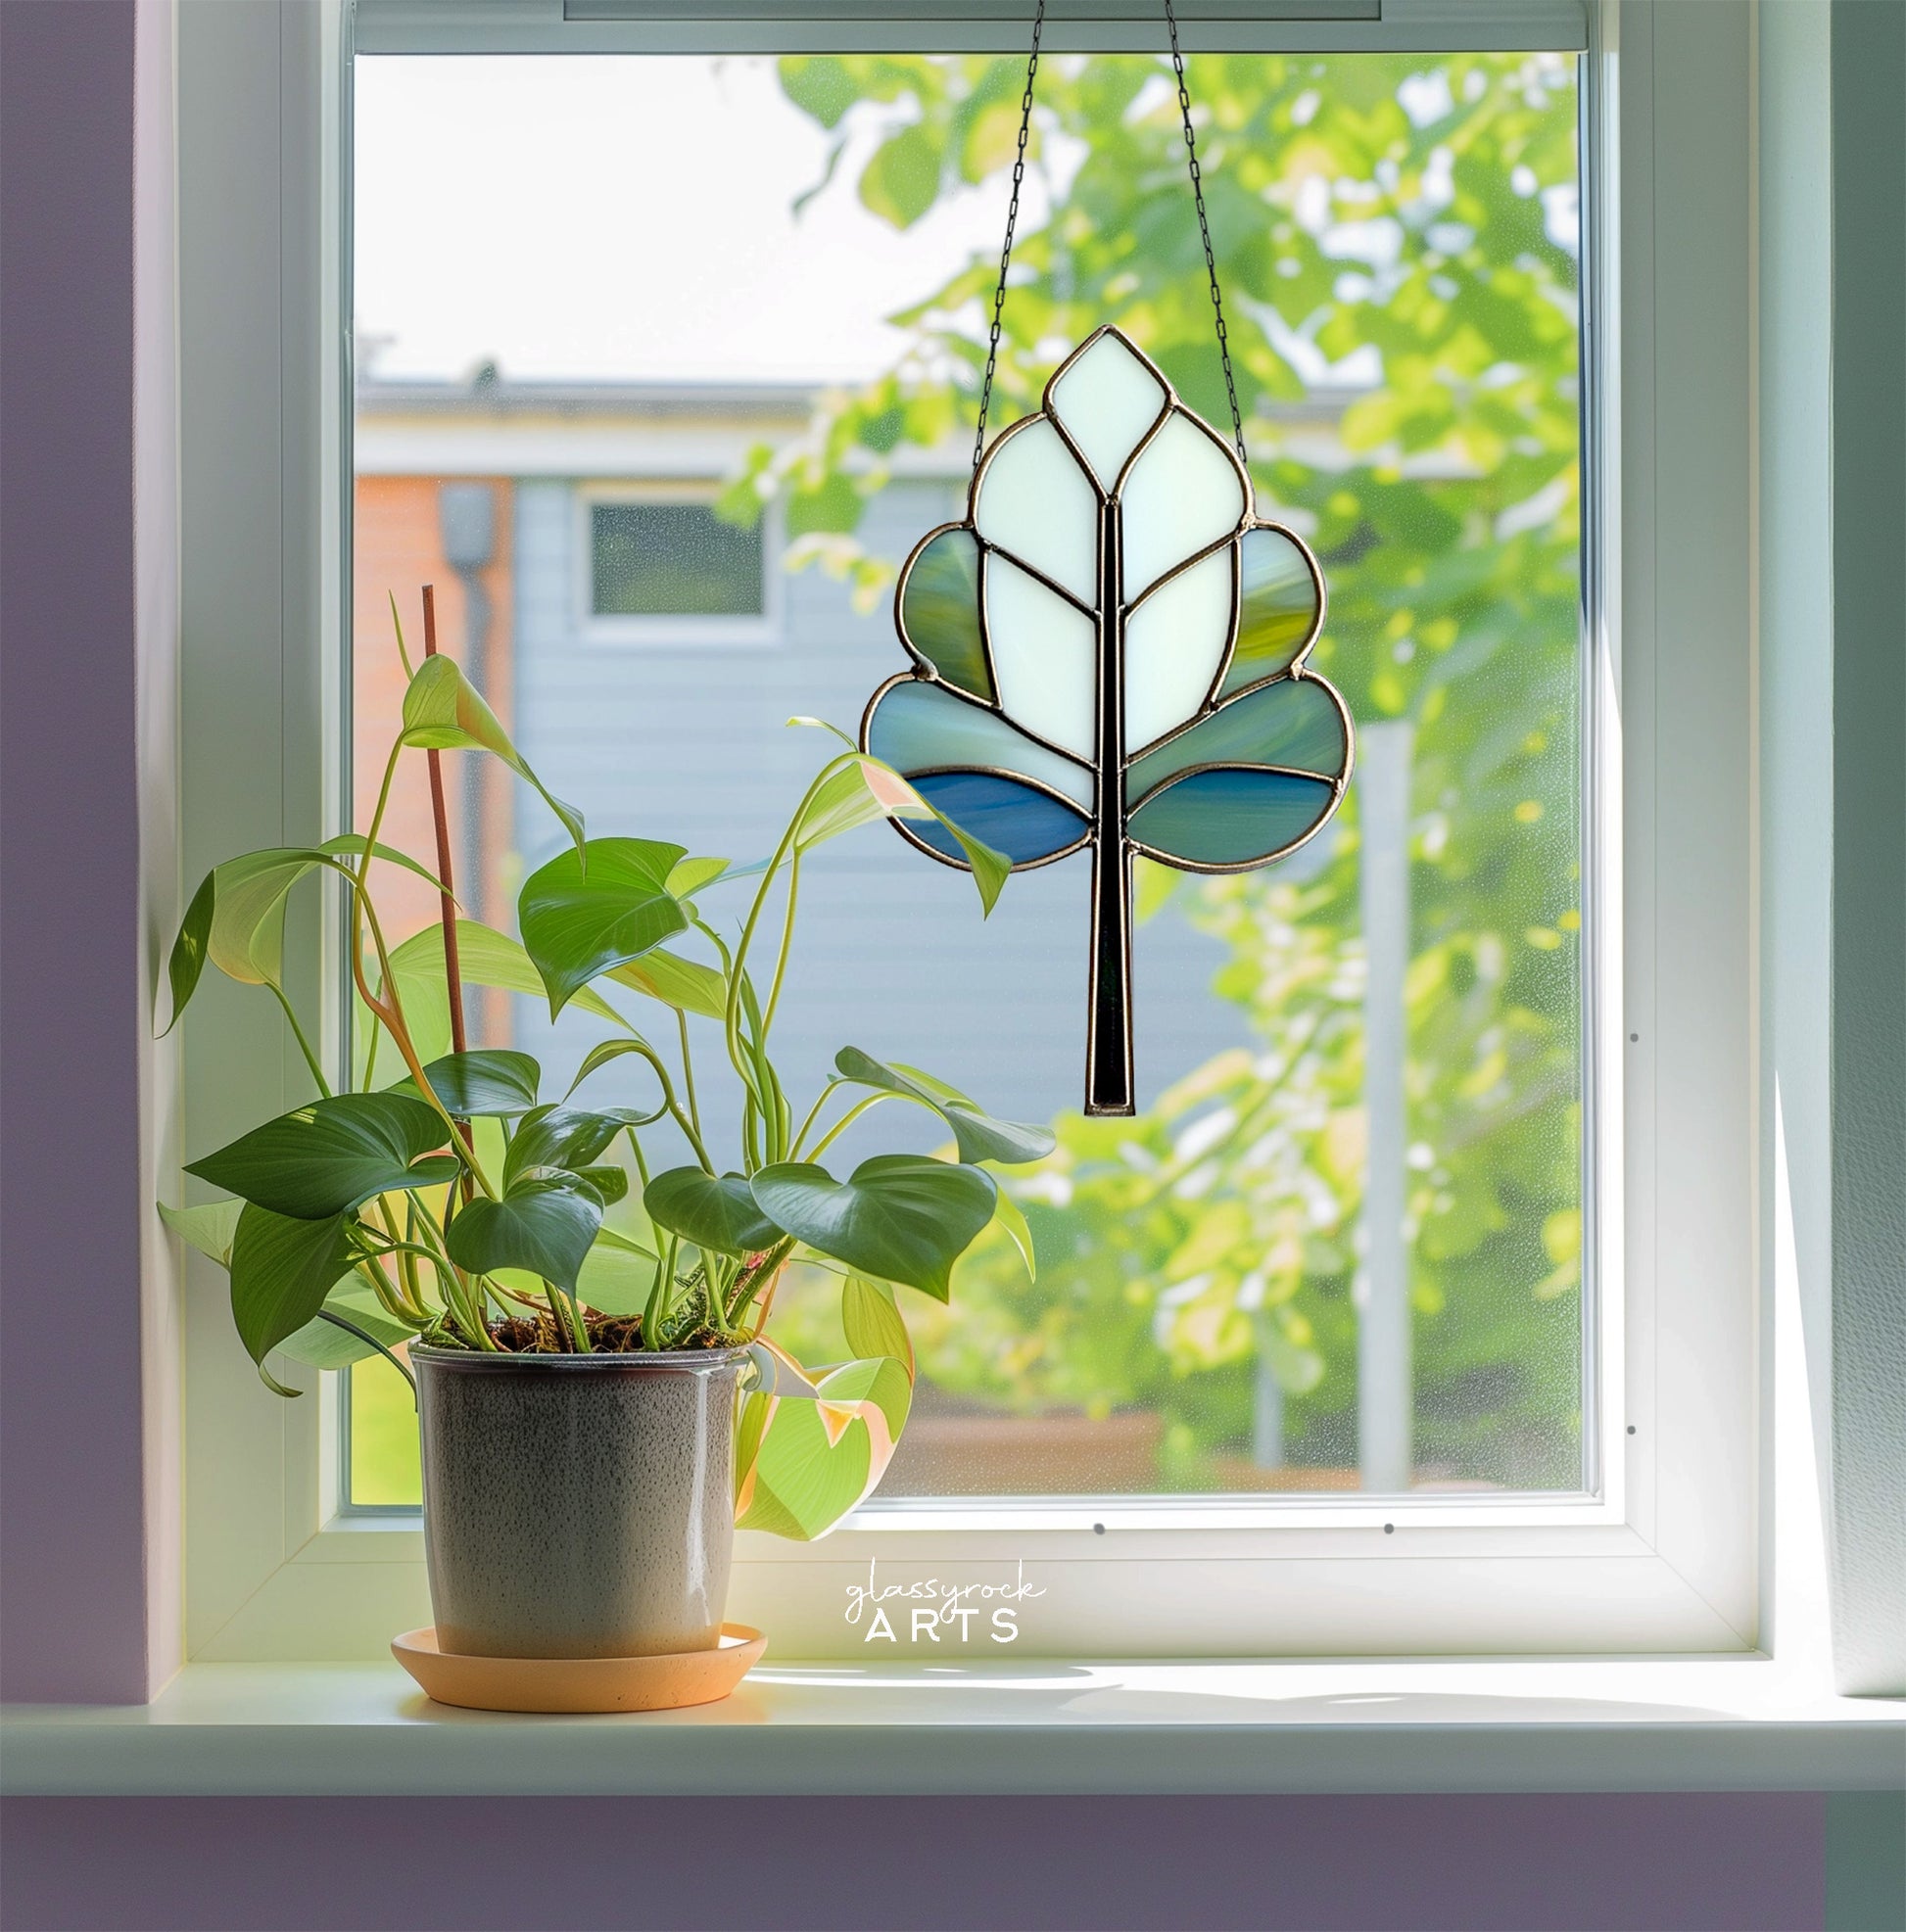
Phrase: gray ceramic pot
[578,1505]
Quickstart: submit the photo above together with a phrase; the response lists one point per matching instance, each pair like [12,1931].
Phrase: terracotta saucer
[579,1683]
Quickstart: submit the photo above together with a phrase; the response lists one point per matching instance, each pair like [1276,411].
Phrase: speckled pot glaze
[578,1505]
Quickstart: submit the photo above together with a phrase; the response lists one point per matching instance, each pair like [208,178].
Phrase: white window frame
[1664,1556]
[672,630]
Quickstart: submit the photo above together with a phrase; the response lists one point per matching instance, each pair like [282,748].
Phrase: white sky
[624,218]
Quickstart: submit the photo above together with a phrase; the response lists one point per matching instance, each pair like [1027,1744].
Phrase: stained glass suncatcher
[1109,655]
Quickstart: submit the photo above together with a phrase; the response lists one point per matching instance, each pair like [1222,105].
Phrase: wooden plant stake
[453,968]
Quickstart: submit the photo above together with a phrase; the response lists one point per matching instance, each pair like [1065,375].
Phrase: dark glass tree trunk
[1107,1040]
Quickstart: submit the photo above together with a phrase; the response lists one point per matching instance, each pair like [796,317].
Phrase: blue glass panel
[918,726]
[1295,722]
[1279,603]
[939,610]
[1230,818]
[1014,818]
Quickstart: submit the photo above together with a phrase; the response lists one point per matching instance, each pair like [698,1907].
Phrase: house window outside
[673,559]
[1343,1247]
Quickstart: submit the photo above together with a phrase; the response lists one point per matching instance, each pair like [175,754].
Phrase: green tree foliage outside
[1410,221]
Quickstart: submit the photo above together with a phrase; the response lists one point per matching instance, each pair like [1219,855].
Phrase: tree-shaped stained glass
[1109,655]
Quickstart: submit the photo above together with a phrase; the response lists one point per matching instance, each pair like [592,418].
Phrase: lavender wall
[71,1504]
[72,1557]
[1607,1862]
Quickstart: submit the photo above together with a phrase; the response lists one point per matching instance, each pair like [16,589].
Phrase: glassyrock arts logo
[930,1611]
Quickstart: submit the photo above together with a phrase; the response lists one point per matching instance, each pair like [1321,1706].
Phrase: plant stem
[577,1328]
[655,1309]
[455,1284]
[440,819]
[393,1017]
[407,1265]
[391,1011]
[746,1286]
[387,1295]
[786,945]
[813,1115]
[304,1045]
[396,624]
[689,1127]
[687,1071]
[736,978]
[846,1120]
[365,1335]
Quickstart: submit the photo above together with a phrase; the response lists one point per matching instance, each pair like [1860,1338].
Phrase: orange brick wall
[397,549]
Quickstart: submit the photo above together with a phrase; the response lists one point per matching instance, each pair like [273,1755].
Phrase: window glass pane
[672,560]
[383,1462]
[1341,1245]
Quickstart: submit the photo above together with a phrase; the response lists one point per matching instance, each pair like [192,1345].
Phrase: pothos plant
[454,1205]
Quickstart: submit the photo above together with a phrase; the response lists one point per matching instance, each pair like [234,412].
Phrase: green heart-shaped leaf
[322,1344]
[210,1229]
[331,1156]
[864,790]
[688,875]
[979,1136]
[686,984]
[485,957]
[281,1271]
[444,712]
[1010,1216]
[544,1222]
[818,1457]
[609,1184]
[899,1216]
[487,1080]
[236,920]
[566,1137]
[579,924]
[719,1212]
[616,1275]
[873,1323]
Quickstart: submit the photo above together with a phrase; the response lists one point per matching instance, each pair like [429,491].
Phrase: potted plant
[598,1406]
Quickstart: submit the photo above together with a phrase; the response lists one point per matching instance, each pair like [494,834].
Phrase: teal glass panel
[1025,825]
[1295,722]
[918,726]
[939,611]
[1230,818]
[1277,608]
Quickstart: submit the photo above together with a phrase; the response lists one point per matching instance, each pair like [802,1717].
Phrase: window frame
[681,629]
[1664,1555]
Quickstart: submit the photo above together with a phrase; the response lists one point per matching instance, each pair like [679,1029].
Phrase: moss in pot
[599,1403]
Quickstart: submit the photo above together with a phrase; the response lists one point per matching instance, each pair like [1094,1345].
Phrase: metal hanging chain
[1012,222]
[1204,230]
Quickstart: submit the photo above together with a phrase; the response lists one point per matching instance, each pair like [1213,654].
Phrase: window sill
[1441,1724]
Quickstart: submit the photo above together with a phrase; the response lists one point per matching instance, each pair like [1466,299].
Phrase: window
[1557,1362]
[1340,1247]
[672,559]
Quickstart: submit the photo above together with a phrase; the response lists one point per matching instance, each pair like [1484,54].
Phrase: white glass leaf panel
[1035,501]
[1174,643]
[1182,493]
[1044,656]
[1107,401]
